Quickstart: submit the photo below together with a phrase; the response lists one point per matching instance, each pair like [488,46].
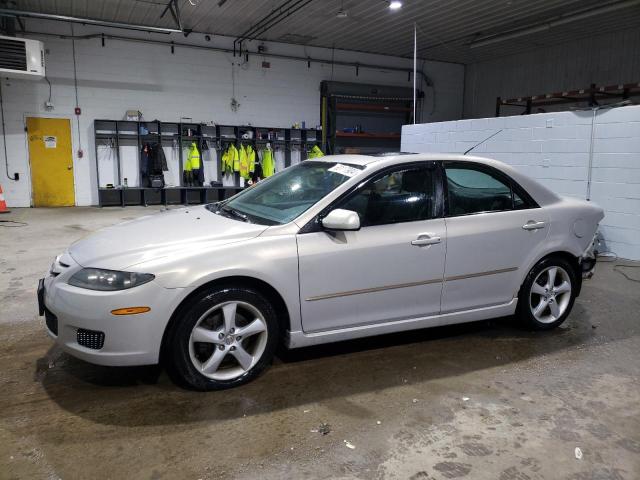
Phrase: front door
[493,229]
[51,162]
[391,269]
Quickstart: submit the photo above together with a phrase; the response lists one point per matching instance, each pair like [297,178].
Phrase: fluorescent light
[395,5]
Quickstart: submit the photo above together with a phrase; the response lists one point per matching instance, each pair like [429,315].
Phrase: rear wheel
[547,294]
[226,339]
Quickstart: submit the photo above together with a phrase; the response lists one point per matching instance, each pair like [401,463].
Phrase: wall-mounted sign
[50,141]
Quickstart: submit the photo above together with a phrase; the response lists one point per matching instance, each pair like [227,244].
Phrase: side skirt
[300,339]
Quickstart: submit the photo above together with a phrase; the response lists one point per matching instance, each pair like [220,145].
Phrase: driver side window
[405,195]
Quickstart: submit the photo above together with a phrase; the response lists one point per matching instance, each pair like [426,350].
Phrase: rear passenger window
[401,196]
[474,191]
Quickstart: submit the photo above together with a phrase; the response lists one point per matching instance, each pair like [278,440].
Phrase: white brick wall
[192,83]
[554,149]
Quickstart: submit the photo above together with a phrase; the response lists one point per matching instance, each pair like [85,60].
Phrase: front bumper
[81,323]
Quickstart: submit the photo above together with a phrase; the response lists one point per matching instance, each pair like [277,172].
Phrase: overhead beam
[5,12]
[554,22]
[172,7]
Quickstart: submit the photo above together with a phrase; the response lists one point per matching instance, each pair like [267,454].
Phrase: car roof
[541,194]
[398,157]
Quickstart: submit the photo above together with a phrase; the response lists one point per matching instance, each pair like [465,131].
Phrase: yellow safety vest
[193,159]
[247,161]
[236,157]
[230,160]
[315,152]
[268,163]
[224,161]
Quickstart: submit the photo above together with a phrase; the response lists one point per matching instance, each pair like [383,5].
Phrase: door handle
[426,239]
[533,225]
[69,167]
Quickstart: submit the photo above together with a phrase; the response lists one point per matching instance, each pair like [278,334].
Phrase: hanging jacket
[315,152]
[224,162]
[152,160]
[268,163]
[251,154]
[145,159]
[247,161]
[236,158]
[229,159]
[193,158]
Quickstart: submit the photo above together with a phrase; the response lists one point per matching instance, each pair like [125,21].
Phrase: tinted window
[400,196]
[473,191]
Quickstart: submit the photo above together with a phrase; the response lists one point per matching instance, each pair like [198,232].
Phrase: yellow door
[51,162]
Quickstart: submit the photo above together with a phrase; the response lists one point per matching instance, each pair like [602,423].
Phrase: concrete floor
[479,401]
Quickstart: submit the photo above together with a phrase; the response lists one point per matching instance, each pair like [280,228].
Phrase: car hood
[163,234]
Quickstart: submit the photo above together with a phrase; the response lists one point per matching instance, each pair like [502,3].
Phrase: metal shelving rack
[378,110]
[591,97]
[127,133]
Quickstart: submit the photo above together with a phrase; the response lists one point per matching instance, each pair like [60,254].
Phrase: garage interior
[549,87]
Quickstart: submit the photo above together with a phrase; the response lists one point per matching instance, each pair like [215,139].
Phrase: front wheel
[547,294]
[225,339]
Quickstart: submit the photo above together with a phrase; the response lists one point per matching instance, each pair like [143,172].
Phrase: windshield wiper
[234,213]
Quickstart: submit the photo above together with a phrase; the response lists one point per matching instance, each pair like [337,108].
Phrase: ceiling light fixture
[395,5]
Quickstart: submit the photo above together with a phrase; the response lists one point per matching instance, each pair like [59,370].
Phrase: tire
[225,338]
[542,306]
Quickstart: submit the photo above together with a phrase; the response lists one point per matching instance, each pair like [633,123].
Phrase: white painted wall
[192,83]
[554,149]
[607,59]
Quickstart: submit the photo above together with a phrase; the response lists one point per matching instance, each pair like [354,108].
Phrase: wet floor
[479,401]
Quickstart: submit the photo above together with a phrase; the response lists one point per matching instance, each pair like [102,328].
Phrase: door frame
[74,142]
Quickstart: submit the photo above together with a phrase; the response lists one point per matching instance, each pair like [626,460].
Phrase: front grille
[13,54]
[90,339]
[51,320]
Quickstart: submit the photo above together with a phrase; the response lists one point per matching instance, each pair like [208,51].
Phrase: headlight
[108,280]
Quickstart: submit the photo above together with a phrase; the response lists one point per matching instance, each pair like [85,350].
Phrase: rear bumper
[588,260]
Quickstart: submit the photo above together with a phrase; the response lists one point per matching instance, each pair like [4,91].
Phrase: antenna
[415,56]
[478,144]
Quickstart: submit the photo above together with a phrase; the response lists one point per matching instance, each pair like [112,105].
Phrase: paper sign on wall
[50,141]
[344,170]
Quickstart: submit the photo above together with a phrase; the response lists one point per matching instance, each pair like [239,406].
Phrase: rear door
[493,229]
[391,269]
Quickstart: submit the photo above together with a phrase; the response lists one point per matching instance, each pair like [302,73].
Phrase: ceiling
[446,28]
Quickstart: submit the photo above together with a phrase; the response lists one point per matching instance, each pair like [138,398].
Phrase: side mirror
[340,219]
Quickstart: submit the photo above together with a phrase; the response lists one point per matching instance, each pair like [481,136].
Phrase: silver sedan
[331,249]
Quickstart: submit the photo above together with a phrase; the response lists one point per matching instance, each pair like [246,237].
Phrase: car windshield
[283,197]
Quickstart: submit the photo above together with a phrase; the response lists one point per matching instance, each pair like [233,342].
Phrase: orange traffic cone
[3,204]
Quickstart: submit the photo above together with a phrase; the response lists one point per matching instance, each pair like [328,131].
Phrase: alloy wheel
[228,340]
[550,294]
